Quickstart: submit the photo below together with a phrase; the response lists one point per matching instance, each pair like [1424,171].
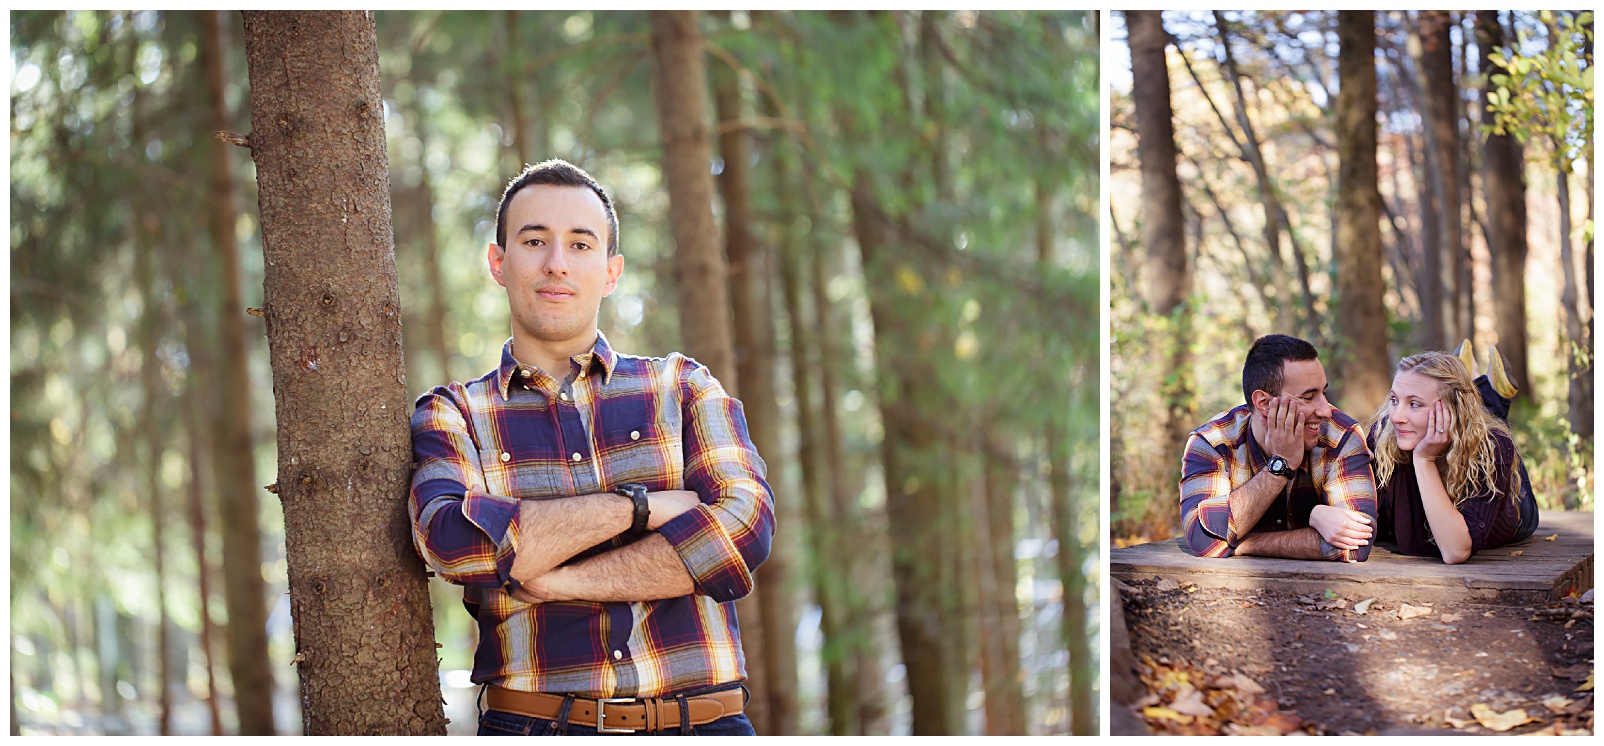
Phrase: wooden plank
[1543,571]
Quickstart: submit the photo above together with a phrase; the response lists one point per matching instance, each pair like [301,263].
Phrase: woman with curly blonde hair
[1448,480]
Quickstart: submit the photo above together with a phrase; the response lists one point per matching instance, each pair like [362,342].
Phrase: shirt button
[525,373]
[577,457]
[618,655]
[563,396]
[634,435]
[506,456]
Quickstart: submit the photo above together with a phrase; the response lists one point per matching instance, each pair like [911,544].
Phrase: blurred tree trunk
[515,93]
[156,405]
[203,569]
[1362,355]
[1275,215]
[754,359]
[364,629]
[1083,671]
[1169,277]
[829,566]
[1575,346]
[1506,220]
[680,88]
[1444,258]
[234,457]
[999,600]
[424,227]
[910,451]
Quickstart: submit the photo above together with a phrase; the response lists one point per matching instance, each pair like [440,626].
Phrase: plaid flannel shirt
[1222,455]
[518,434]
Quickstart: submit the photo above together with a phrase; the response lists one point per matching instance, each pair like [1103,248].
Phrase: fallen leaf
[1448,717]
[1517,553]
[1586,686]
[1330,594]
[1557,703]
[1283,723]
[1580,706]
[1574,673]
[1551,537]
[1242,684]
[1499,721]
[1193,705]
[1363,607]
[1410,612]
[1167,584]
[1165,713]
[1447,618]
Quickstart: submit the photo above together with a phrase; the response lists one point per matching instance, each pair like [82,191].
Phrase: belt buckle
[601,715]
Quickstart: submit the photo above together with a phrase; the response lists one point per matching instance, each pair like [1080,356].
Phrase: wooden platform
[1544,571]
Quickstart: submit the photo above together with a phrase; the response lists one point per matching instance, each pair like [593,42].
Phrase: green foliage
[1548,94]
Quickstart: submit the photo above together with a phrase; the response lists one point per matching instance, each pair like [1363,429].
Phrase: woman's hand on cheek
[1439,429]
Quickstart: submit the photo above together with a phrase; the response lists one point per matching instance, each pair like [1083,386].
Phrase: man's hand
[1340,527]
[669,504]
[1283,426]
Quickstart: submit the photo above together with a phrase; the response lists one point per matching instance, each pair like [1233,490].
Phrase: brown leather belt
[619,715]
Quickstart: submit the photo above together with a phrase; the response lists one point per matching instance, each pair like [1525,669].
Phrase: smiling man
[602,511]
[1283,475]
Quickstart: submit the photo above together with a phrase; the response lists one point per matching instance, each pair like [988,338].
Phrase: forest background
[907,206]
[1257,218]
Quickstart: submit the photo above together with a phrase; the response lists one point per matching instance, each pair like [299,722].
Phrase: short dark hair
[556,173]
[1262,370]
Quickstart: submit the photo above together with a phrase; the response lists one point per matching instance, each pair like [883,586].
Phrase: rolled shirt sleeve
[465,534]
[1205,500]
[723,540]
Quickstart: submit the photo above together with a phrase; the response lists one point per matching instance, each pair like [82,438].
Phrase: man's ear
[615,269]
[1262,400]
[493,256]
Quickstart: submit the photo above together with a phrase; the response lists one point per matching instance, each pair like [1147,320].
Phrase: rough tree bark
[364,629]
[680,88]
[754,359]
[1167,274]
[1439,98]
[1506,220]
[1362,355]
[244,590]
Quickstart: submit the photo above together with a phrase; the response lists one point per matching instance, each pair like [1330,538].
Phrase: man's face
[555,267]
[1305,382]
[1412,398]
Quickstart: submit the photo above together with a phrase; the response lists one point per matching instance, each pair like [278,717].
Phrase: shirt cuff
[495,516]
[709,555]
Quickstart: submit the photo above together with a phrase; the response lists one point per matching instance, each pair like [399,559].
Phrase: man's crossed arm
[645,570]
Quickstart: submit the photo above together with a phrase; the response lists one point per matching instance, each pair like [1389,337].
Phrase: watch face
[1277,465]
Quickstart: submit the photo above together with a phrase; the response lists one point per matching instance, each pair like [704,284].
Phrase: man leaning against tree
[1285,474]
[602,511]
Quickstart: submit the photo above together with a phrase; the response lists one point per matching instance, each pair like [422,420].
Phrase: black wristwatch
[1278,466]
[643,511]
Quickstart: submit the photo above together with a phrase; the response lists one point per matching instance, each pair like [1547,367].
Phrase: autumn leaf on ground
[1557,703]
[1330,594]
[1451,618]
[1192,704]
[1517,553]
[1586,686]
[1242,684]
[1499,721]
[1165,713]
[1574,673]
[1363,607]
[1410,612]
[1551,537]
[1448,717]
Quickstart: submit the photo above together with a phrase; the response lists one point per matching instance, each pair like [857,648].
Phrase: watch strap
[643,513]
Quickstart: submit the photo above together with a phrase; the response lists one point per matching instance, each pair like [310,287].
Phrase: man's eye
[582,246]
[534,242]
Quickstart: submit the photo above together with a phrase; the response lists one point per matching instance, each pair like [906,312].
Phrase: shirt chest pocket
[645,453]
[519,478]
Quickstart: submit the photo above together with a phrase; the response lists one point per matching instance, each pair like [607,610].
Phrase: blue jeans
[498,723]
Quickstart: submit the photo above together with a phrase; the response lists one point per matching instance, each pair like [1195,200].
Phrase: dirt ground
[1227,661]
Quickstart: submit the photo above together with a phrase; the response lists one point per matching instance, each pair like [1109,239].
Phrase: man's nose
[1322,407]
[556,262]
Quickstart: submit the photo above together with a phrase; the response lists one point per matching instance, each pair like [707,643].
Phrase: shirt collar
[601,355]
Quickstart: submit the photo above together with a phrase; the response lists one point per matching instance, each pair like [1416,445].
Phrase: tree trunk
[999,603]
[244,591]
[680,87]
[1574,346]
[364,629]
[1439,99]
[754,359]
[203,569]
[156,403]
[1506,220]
[1169,278]
[909,452]
[1362,354]
[1275,214]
